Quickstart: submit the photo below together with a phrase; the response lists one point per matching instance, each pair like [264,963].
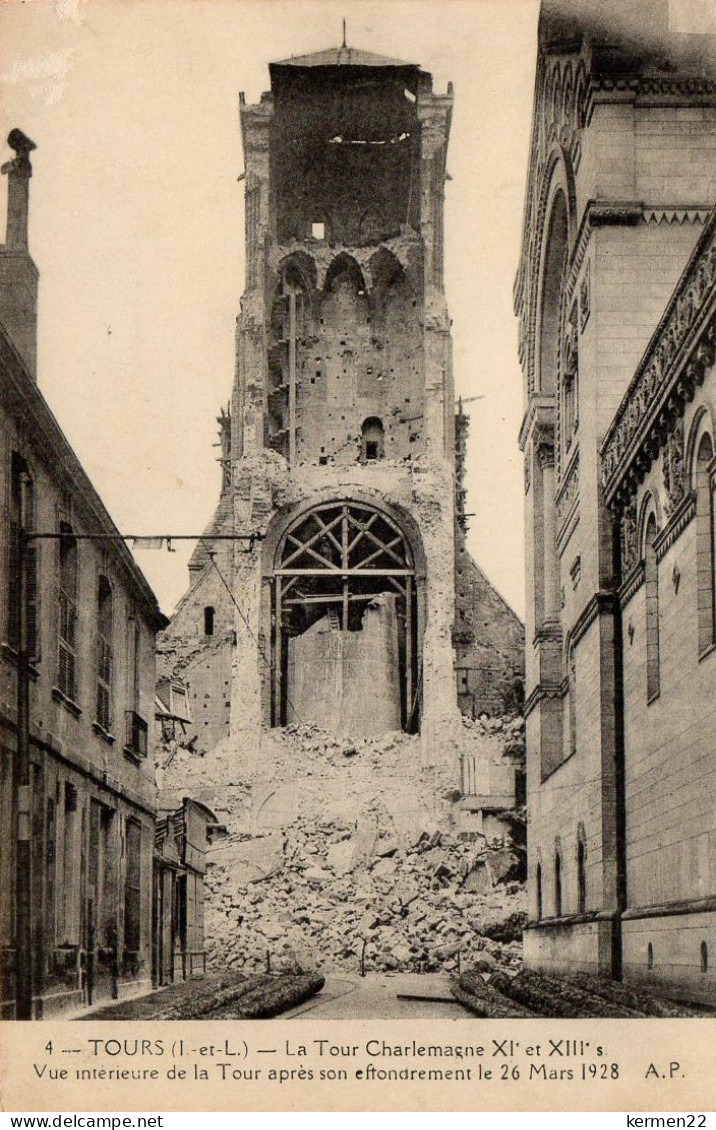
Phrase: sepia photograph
[358,477]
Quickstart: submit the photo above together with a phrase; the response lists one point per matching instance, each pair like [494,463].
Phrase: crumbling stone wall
[489,641]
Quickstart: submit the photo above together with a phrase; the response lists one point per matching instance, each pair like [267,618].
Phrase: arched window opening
[651,591]
[67,612]
[581,876]
[104,653]
[572,692]
[552,290]
[570,380]
[345,623]
[538,886]
[372,445]
[705,545]
[704,958]
[208,620]
[558,885]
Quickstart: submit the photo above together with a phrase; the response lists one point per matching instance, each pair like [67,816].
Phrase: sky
[137,227]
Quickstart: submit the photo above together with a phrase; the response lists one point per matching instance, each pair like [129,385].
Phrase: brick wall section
[489,643]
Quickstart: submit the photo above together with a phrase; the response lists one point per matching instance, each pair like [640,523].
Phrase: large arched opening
[345,624]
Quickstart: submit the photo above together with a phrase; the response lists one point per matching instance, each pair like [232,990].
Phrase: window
[50,865]
[136,734]
[581,875]
[69,924]
[651,587]
[704,958]
[570,381]
[132,886]
[557,885]
[705,547]
[538,885]
[372,440]
[208,621]
[100,909]
[67,609]
[22,507]
[104,653]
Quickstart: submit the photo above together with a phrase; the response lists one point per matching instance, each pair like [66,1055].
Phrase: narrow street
[344,996]
[376,996]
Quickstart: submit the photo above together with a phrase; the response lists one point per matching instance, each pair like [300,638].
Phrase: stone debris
[492,992]
[342,851]
[476,994]
[411,910]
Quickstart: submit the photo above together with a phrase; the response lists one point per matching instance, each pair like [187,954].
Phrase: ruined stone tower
[336,603]
[332,601]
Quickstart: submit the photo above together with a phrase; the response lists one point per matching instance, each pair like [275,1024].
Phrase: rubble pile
[336,899]
[497,994]
[338,851]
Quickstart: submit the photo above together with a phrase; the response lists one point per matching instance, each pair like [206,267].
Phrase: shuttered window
[67,611]
[105,625]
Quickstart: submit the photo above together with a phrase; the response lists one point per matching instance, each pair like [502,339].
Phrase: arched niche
[344,304]
[552,285]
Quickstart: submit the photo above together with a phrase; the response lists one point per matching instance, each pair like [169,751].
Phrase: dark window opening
[538,884]
[581,877]
[651,588]
[208,621]
[650,956]
[372,440]
[557,885]
[704,958]
[705,546]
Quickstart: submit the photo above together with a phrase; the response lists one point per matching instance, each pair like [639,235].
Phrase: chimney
[18,273]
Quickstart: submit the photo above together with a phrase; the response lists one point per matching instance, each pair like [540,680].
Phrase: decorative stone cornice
[602,603]
[676,525]
[538,424]
[540,692]
[549,632]
[681,350]
[704,905]
[568,495]
[632,584]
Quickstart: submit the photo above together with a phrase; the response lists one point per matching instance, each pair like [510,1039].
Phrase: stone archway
[345,622]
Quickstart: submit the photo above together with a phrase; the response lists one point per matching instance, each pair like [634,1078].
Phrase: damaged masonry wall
[339,481]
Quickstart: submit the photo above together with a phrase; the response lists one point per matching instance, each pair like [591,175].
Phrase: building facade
[615,300]
[77,680]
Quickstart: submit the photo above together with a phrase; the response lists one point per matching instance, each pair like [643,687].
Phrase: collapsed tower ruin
[332,585]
